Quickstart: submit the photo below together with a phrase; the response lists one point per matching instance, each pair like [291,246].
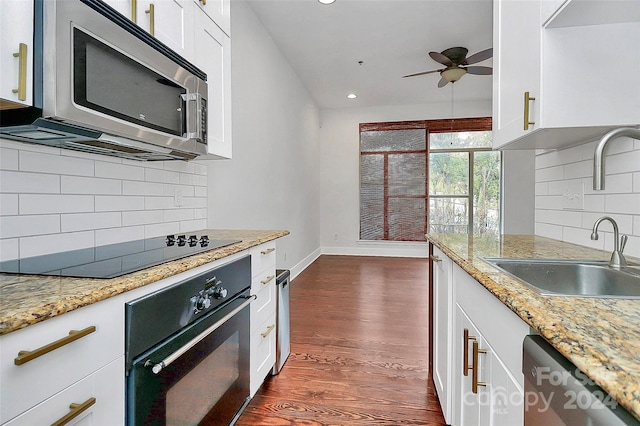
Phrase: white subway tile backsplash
[142,188]
[18,226]
[56,164]
[193,225]
[8,204]
[54,203]
[119,235]
[119,171]
[9,159]
[86,221]
[90,185]
[110,203]
[53,243]
[620,199]
[54,200]
[34,183]
[142,217]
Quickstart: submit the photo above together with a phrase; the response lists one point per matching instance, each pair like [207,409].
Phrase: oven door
[198,376]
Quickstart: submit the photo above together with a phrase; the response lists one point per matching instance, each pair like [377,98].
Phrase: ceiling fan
[456,61]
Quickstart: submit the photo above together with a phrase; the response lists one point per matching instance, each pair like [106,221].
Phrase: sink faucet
[598,155]
[617,259]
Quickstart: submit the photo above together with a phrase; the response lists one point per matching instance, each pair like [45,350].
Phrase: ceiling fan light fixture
[453,74]
[352,96]
[326,1]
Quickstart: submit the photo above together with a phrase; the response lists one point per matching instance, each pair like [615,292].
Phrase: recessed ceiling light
[326,1]
[352,96]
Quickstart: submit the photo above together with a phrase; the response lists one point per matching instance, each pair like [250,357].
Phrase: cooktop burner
[115,259]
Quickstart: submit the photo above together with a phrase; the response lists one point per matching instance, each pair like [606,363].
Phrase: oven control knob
[219,292]
[202,303]
[193,240]
[182,240]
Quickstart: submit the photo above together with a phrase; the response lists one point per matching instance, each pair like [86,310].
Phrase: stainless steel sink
[572,278]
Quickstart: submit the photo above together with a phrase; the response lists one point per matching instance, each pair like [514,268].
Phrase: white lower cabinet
[86,360]
[477,351]
[263,313]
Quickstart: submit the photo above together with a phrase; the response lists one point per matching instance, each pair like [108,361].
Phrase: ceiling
[392,38]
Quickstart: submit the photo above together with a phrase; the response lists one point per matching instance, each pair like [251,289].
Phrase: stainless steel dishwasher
[283,346]
[556,392]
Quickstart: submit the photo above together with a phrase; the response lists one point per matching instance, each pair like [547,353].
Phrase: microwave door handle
[193,104]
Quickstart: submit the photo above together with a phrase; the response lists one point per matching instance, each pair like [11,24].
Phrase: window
[428,176]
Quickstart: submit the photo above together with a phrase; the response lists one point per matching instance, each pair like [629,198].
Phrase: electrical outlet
[178,199]
[573,196]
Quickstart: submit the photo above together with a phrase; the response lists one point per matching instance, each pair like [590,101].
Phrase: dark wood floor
[358,348]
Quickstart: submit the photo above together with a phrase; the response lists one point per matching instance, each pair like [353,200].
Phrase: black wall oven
[188,350]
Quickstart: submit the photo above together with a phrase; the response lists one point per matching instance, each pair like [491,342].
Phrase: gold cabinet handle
[474,368]
[465,353]
[152,19]
[269,330]
[267,280]
[527,100]
[435,258]
[26,356]
[204,2]
[134,11]
[76,410]
[267,251]
[21,54]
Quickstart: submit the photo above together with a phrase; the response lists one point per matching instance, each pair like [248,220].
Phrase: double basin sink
[578,278]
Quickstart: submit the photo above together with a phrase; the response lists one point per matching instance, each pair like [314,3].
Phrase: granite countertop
[600,336]
[29,299]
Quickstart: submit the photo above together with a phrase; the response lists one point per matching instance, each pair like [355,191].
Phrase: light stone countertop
[600,336]
[29,299]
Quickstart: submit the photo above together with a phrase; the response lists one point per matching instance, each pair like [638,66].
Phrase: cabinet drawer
[263,257]
[28,384]
[263,280]
[263,353]
[106,386]
[263,307]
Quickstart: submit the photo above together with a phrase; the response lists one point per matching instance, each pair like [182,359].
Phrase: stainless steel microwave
[104,85]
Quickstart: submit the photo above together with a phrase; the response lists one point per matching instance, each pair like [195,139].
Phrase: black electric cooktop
[113,260]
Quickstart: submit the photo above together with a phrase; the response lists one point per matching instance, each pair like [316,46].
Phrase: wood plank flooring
[359,353]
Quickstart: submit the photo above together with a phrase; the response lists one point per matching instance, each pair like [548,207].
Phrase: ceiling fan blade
[479,70]
[422,73]
[443,82]
[439,57]
[478,57]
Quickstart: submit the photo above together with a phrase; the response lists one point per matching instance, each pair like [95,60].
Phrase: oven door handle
[156,368]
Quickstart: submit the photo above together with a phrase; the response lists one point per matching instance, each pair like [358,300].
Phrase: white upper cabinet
[582,76]
[16,53]
[218,11]
[170,21]
[214,58]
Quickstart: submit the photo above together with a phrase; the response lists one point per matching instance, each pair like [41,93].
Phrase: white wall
[272,180]
[54,200]
[339,176]
[561,174]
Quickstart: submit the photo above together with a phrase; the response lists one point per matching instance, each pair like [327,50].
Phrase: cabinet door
[516,67]
[218,11]
[16,53]
[170,21]
[214,58]
[507,396]
[468,410]
[442,330]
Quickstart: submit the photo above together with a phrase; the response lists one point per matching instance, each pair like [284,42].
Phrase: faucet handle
[623,242]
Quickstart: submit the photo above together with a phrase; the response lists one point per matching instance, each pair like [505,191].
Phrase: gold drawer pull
[267,280]
[76,409]
[435,258]
[269,330]
[21,54]
[465,354]
[26,356]
[152,19]
[204,2]
[134,11]
[474,368]
[527,100]
[267,251]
